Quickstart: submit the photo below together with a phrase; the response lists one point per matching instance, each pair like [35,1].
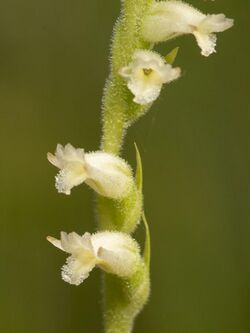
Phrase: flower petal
[56,242]
[75,271]
[206,42]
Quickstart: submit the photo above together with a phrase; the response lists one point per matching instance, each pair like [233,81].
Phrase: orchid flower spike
[169,19]
[114,252]
[146,74]
[107,174]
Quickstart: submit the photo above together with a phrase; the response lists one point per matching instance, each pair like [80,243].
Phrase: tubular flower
[114,252]
[169,19]
[146,74]
[107,174]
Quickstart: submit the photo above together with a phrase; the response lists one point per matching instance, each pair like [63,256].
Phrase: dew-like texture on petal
[71,162]
[76,271]
[72,175]
[107,174]
[146,74]
[114,252]
[205,34]
[82,259]
[206,42]
[144,94]
[169,19]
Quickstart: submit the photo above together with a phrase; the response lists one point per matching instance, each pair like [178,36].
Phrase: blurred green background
[195,149]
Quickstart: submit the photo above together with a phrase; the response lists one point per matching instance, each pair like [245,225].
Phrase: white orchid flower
[114,252]
[169,19]
[146,74]
[107,174]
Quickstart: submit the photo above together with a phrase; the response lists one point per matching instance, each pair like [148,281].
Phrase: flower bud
[169,19]
[146,74]
[107,174]
[114,252]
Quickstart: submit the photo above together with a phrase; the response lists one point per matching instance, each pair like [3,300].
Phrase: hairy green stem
[123,299]
[119,110]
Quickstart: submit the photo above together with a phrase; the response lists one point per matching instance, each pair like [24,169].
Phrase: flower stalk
[119,110]
[123,299]
[137,76]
